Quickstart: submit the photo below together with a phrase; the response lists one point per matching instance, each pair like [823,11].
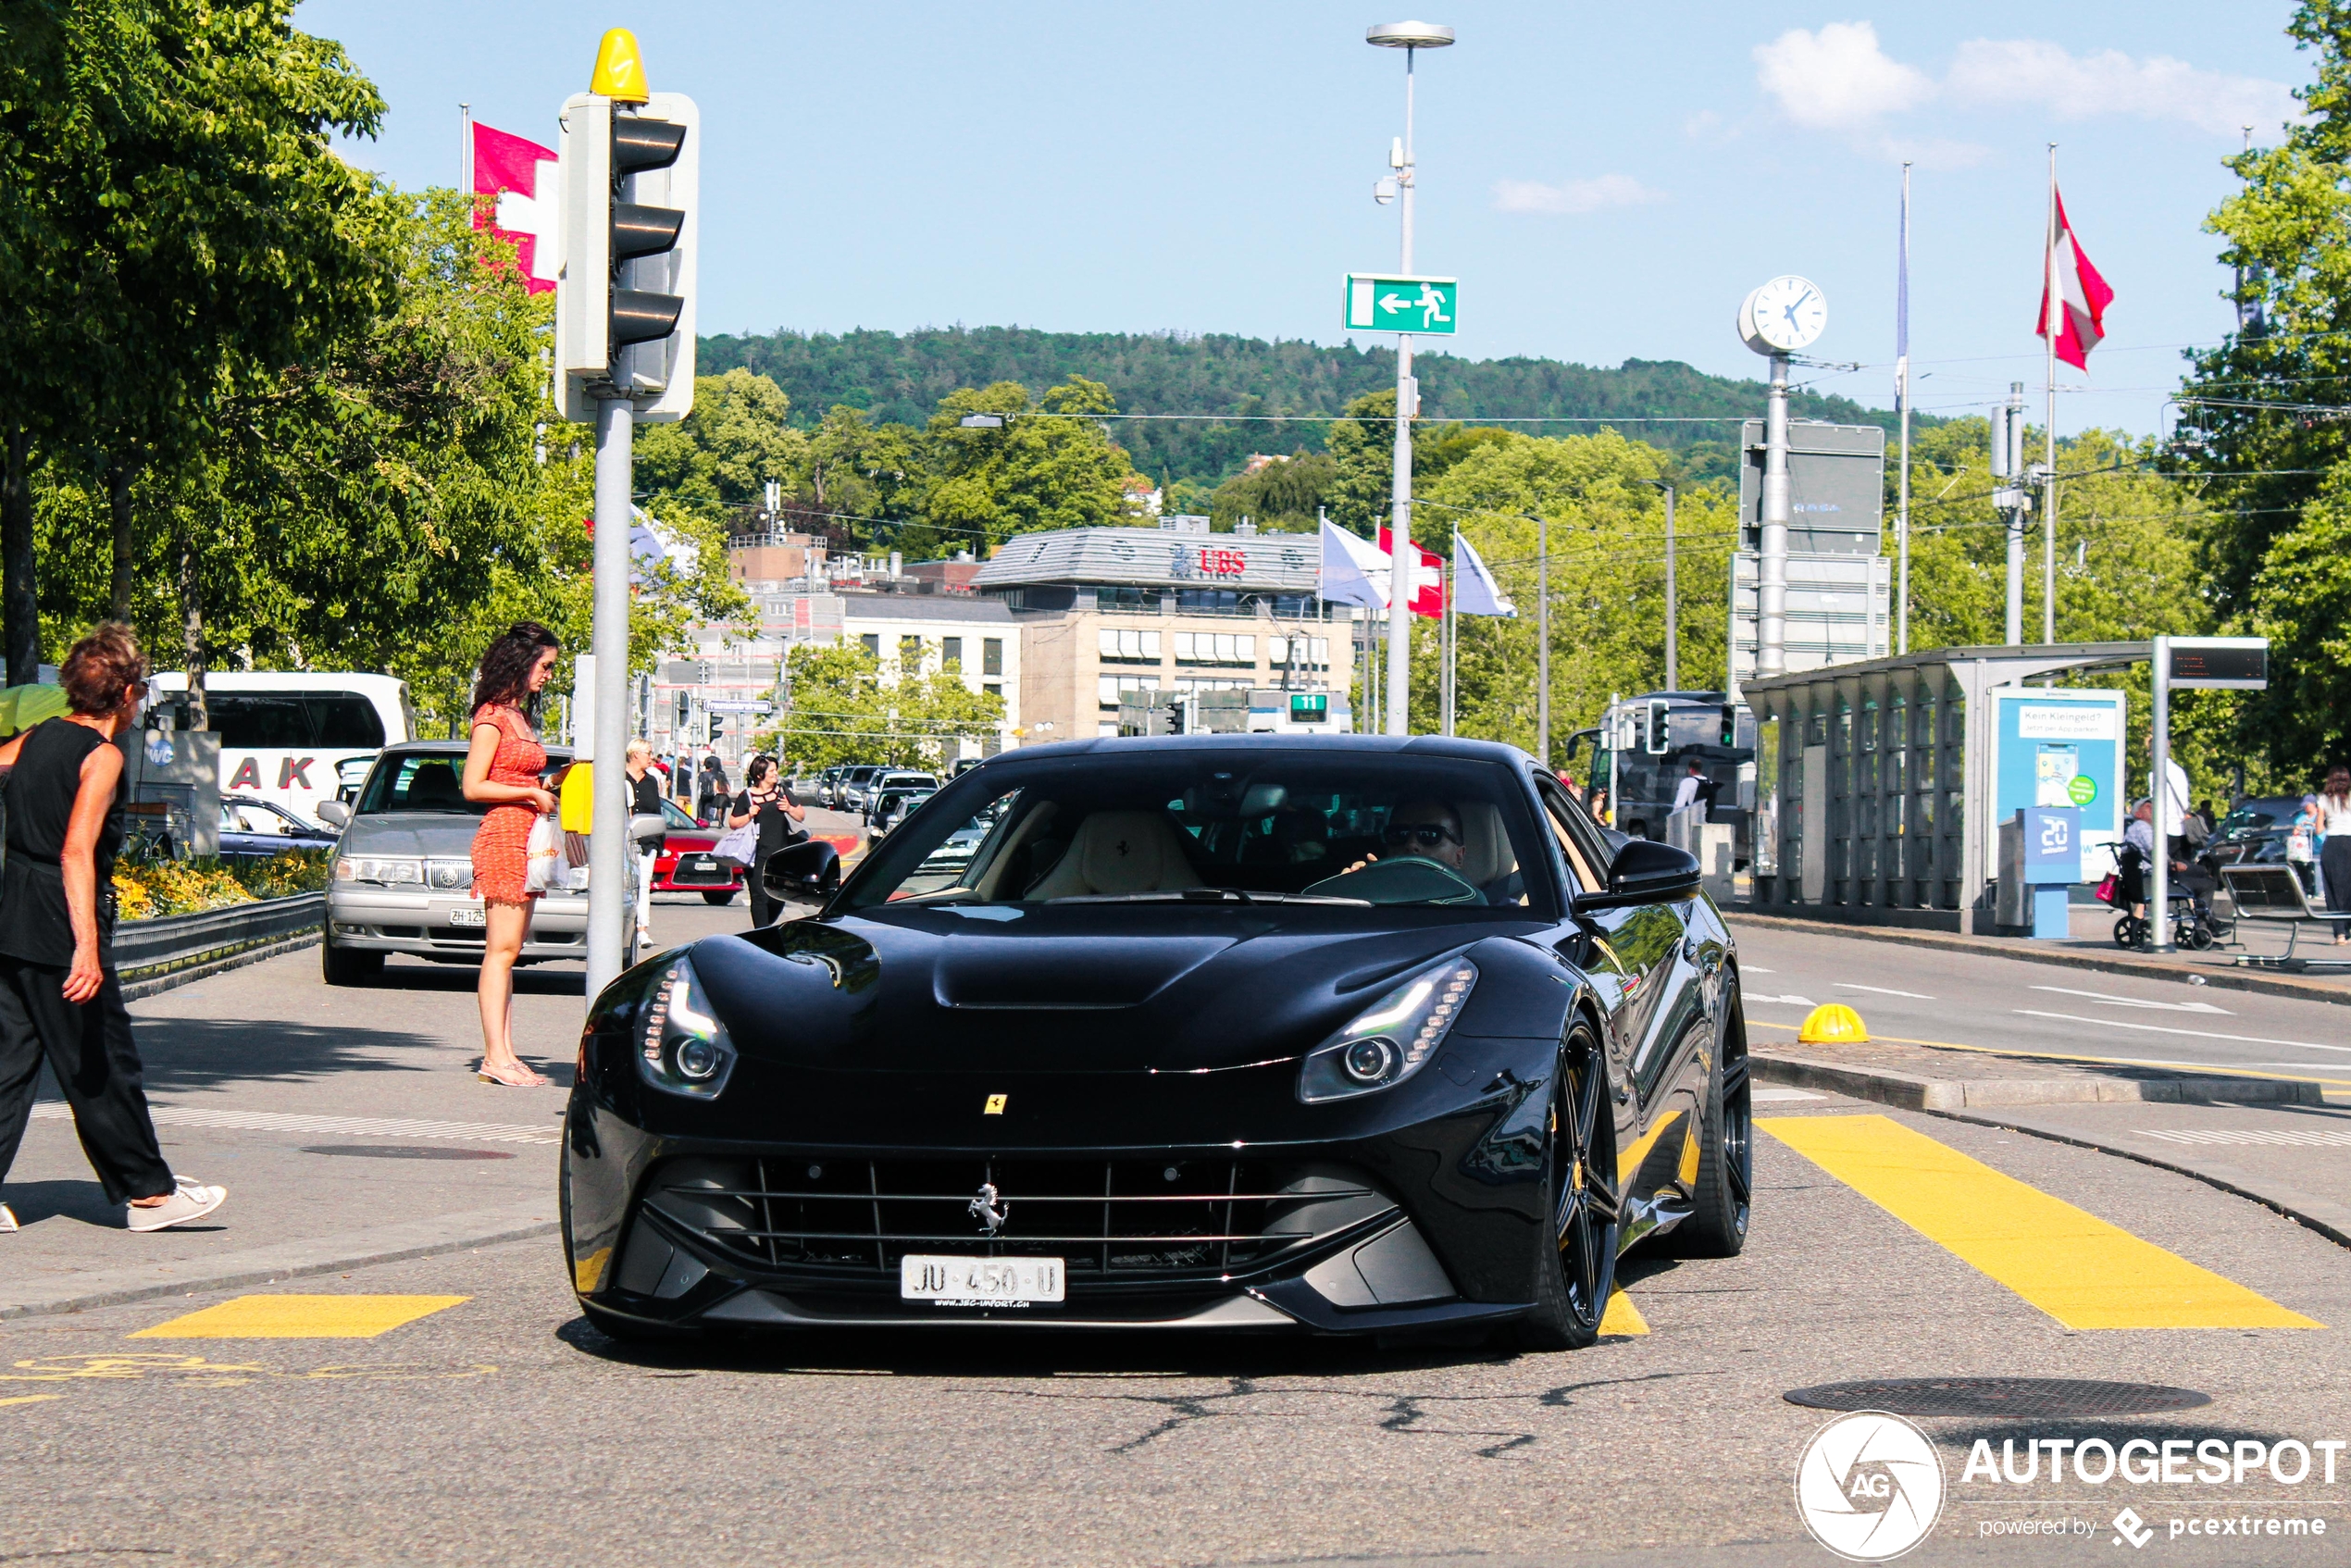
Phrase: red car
[685,864]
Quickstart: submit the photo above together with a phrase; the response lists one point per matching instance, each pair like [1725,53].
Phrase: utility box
[2040,861]
[173,778]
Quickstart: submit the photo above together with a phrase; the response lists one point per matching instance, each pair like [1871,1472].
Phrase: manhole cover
[1999,1396]
[404,1151]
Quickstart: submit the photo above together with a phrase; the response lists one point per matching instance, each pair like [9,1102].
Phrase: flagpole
[1902,401]
[466,151]
[2048,506]
[1452,630]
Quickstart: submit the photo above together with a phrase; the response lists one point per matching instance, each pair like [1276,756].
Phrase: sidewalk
[2092,947]
[346,1124]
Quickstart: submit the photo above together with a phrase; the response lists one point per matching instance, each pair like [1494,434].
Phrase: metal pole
[2049,472]
[1673,614]
[1543,641]
[1902,401]
[1770,588]
[1402,559]
[465,153]
[2159,791]
[1452,630]
[608,846]
[2006,444]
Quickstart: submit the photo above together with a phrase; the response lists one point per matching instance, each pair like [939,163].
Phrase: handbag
[2106,889]
[739,845]
[544,870]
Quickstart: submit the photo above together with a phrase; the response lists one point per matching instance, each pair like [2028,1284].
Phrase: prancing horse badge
[995,1106]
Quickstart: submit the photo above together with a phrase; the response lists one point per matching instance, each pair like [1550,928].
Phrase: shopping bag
[2106,889]
[740,844]
[544,857]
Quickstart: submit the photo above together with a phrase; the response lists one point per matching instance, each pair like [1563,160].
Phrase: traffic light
[625,292]
[717,728]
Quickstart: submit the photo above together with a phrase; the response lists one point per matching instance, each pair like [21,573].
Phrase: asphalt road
[1940,997]
[497,1428]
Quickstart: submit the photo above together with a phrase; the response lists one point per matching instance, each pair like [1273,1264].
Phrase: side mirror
[334,813]
[648,830]
[1645,872]
[808,871]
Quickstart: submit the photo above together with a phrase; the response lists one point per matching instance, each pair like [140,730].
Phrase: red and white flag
[522,176]
[2085,292]
[1428,575]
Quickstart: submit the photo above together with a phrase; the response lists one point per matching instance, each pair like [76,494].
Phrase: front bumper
[439,924]
[695,871]
[1423,1213]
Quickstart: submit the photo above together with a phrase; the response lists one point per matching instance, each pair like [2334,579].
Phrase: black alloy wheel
[1722,1197]
[1577,1264]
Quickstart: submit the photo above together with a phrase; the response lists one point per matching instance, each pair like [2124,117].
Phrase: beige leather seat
[1118,851]
[1485,848]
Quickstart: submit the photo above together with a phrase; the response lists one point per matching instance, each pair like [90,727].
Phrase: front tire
[1575,1265]
[1721,1195]
[342,966]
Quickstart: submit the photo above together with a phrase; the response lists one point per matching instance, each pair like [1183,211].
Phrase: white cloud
[1573,195]
[2027,71]
[1837,78]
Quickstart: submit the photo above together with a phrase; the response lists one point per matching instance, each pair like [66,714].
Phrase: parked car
[685,864]
[259,828]
[892,807]
[826,790]
[402,878]
[894,781]
[856,786]
[1170,1048]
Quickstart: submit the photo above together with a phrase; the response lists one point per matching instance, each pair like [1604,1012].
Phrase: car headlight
[681,1046]
[1389,1040]
[391,870]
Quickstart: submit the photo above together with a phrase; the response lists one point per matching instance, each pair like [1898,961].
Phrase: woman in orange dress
[503,769]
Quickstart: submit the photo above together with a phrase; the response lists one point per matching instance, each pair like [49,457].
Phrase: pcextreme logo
[1868,1486]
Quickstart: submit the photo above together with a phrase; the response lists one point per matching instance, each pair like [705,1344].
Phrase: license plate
[467,917]
[979,1282]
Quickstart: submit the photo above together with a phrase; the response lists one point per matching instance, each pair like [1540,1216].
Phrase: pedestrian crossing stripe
[301,1317]
[2072,1265]
[1621,1317]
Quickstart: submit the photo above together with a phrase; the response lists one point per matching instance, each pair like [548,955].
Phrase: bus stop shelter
[1875,781]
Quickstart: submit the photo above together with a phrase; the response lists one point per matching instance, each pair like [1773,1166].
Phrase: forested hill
[900,377]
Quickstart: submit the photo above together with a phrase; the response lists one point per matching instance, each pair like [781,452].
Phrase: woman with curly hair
[504,768]
[58,994]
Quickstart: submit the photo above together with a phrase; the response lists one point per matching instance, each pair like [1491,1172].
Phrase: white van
[291,737]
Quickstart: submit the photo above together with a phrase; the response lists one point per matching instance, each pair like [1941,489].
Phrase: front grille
[1130,1219]
[685,873]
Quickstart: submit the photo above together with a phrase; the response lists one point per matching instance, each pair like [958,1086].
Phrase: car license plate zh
[979,1282]
[467,916]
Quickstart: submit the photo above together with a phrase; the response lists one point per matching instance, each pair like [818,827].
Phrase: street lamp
[1411,37]
[1673,681]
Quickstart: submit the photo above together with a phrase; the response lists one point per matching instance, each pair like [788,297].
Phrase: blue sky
[1607,181]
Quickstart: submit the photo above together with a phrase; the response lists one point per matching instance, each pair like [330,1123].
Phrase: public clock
[1782,316]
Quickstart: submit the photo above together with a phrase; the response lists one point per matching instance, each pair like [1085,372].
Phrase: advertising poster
[2063,748]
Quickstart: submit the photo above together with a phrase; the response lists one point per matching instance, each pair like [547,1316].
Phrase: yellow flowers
[148,889]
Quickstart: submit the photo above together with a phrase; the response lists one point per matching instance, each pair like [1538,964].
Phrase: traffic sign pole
[1402,561]
[608,847]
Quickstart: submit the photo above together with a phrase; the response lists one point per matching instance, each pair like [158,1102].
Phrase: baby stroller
[2192,926]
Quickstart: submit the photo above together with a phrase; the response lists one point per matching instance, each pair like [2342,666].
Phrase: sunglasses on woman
[1427,835]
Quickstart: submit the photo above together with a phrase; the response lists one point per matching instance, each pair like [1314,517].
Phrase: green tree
[722,453]
[1046,466]
[845,705]
[1362,491]
[1284,497]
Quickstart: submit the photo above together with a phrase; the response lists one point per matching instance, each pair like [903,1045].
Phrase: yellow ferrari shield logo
[995,1106]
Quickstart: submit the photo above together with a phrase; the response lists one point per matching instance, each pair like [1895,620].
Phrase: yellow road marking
[1621,1317]
[1628,1162]
[36,1398]
[2074,1266]
[2208,1068]
[301,1317]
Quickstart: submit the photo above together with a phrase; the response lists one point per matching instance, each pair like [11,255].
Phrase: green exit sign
[1402,304]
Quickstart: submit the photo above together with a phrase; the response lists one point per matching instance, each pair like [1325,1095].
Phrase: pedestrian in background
[710,789]
[2302,849]
[2334,847]
[766,801]
[504,769]
[2138,853]
[645,800]
[60,997]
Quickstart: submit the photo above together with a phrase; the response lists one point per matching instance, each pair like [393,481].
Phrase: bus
[294,737]
[1641,751]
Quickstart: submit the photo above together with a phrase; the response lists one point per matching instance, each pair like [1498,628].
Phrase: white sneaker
[194,1201]
[8,1220]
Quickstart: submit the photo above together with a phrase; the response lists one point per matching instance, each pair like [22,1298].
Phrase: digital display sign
[2234,663]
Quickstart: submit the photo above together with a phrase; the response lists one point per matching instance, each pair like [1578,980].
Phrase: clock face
[1782,316]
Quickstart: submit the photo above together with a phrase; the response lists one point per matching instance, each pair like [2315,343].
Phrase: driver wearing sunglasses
[1428,830]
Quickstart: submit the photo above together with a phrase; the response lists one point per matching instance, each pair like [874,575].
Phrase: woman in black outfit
[766,801]
[58,994]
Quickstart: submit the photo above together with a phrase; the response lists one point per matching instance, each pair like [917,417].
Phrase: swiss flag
[1428,575]
[2085,292]
[522,176]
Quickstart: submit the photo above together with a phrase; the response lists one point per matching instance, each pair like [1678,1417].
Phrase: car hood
[1067,988]
[411,832]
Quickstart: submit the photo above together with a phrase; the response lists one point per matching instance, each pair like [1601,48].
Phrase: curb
[2219,979]
[290,1260]
[155,985]
[1914,1092]
[2328,1218]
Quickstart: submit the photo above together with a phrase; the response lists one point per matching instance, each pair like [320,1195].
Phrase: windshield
[431,782]
[1210,826]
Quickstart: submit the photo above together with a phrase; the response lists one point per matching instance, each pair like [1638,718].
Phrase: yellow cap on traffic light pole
[620,69]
